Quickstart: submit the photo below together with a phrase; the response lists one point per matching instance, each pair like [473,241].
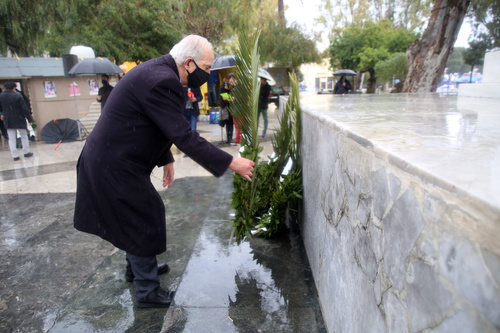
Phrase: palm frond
[245,105]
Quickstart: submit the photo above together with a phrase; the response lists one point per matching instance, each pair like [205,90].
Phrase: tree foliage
[394,68]
[474,55]
[485,16]
[22,25]
[405,14]
[138,30]
[361,48]
[287,45]
[210,19]
[455,63]
[133,31]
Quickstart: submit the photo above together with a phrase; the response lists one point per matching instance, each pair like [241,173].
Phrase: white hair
[192,46]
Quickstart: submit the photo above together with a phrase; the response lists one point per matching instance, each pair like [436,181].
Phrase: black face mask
[104,82]
[197,77]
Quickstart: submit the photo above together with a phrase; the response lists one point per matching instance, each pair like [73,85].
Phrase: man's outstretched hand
[243,167]
[168,174]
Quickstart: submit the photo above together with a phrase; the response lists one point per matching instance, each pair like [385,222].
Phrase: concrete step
[89,119]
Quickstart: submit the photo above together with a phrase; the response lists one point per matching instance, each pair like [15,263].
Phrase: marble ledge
[448,141]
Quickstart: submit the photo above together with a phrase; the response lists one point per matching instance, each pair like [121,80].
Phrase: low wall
[392,247]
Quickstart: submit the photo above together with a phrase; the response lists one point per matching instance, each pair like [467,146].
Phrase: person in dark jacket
[14,112]
[265,90]
[191,108]
[115,198]
[104,91]
[3,130]
[342,86]
[225,93]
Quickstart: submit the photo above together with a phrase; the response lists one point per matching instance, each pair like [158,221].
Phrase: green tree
[361,48]
[287,45]
[455,63]
[133,30]
[210,19]
[474,55]
[405,14]
[65,22]
[394,68]
[22,25]
[485,14]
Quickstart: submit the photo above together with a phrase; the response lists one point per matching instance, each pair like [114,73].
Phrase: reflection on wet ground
[257,286]
[36,170]
[57,279]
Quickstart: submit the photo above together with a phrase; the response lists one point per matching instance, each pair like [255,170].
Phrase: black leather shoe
[160,298]
[28,155]
[129,275]
[17,158]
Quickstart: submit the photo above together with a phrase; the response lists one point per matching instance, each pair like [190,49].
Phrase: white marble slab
[449,140]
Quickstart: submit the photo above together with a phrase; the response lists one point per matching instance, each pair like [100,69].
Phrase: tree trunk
[427,56]
[372,82]
[281,11]
[356,85]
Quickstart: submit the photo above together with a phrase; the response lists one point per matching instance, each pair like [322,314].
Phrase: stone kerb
[391,248]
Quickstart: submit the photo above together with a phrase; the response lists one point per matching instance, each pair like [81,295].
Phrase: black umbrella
[226,61]
[345,71]
[65,130]
[95,66]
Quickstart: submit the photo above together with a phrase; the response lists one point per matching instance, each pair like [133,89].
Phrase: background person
[104,91]
[225,93]
[265,90]
[3,130]
[191,107]
[14,112]
[115,198]
[342,86]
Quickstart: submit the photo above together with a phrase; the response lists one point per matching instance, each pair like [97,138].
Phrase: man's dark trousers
[146,274]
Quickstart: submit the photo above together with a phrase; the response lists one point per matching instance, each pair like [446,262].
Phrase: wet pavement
[56,279]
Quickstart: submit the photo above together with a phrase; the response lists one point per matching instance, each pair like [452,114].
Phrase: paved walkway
[56,279]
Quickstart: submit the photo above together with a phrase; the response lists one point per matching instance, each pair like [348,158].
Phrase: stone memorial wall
[391,248]
[401,211]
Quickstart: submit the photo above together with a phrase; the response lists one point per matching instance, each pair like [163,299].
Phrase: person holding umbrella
[342,86]
[104,91]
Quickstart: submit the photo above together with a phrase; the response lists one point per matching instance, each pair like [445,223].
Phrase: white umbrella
[265,75]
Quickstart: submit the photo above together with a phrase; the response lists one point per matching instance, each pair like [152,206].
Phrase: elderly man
[143,117]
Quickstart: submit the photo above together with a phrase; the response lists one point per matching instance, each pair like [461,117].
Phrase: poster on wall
[74,89]
[93,87]
[49,88]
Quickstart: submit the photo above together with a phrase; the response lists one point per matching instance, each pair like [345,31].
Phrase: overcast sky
[304,12]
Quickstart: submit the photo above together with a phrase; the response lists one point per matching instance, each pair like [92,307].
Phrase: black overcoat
[115,198]
[14,110]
